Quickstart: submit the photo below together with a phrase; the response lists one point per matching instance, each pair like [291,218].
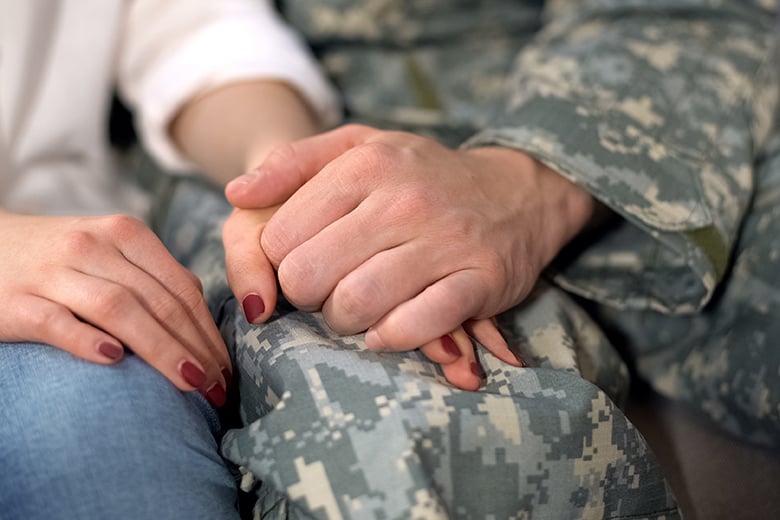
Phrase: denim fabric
[83,441]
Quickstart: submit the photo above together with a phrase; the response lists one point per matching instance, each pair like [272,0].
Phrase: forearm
[229,130]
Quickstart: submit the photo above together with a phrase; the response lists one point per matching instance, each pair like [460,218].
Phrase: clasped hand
[93,285]
[396,234]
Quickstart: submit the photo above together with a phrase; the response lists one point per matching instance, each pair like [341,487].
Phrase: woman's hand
[454,352]
[94,285]
[249,272]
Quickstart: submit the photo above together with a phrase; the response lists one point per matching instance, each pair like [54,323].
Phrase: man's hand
[94,285]
[396,233]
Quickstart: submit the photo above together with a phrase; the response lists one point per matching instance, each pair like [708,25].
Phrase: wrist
[556,208]
[228,130]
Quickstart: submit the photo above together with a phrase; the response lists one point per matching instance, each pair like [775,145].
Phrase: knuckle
[283,154]
[168,310]
[275,242]
[45,319]
[413,203]
[123,226]
[377,160]
[295,279]
[449,301]
[377,155]
[196,283]
[112,300]
[354,304]
[79,242]
[355,127]
[189,294]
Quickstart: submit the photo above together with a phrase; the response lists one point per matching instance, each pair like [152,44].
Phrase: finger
[455,353]
[195,281]
[443,350]
[147,253]
[118,310]
[291,165]
[486,332]
[47,322]
[310,272]
[340,187]
[384,281]
[249,273]
[440,308]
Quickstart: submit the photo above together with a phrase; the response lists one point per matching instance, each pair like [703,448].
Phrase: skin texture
[232,130]
[99,285]
[462,235]
[251,275]
[95,286]
[92,285]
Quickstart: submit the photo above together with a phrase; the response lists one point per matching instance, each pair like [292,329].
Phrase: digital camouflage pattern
[663,109]
[666,111]
[333,430]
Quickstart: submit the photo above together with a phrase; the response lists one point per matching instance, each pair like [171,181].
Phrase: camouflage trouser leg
[725,361]
[333,430]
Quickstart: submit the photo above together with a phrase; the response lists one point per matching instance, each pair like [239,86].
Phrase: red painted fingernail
[477,370]
[216,395]
[192,374]
[111,351]
[227,376]
[449,346]
[253,307]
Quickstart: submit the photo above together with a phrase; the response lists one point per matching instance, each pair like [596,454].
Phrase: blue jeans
[79,440]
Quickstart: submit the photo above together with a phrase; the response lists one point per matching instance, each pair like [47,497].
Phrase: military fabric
[663,109]
[333,430]
[666,112]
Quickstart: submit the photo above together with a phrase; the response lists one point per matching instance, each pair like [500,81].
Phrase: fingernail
[216,395]
[477,370]
[227,376]
[192,374]
[111,351]
[449,345]
[373,341]
[247,178]
[253,307]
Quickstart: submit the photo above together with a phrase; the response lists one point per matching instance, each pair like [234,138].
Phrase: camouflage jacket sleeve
[659,108]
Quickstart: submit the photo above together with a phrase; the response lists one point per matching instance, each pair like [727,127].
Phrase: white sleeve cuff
[230,41]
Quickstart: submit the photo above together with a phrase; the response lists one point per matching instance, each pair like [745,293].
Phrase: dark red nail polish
[477,370]
[253,307]
[216,395]
[111,351]
[449,346]
[192,374]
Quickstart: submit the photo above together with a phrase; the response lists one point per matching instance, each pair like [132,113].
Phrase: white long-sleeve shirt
[61,59]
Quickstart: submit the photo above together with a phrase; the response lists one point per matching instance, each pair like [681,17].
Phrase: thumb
[250,274]
[291,165]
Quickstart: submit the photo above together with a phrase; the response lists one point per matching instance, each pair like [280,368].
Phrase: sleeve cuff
[217,53]
[666,254]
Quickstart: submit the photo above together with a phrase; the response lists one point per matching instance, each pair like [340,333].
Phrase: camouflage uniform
[665,110]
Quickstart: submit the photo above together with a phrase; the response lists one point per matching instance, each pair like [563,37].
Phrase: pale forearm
[229,130]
